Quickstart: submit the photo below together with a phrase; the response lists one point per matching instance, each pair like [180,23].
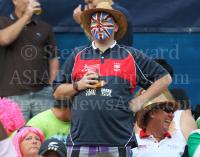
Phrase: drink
[100,82]
[38,12]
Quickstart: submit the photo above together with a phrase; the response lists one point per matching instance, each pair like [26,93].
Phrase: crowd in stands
[87,108]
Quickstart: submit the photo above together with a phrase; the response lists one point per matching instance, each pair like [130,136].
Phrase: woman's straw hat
[161,100]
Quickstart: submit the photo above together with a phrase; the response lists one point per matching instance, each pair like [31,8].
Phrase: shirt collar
[143,134]
[13,16]
[94,47]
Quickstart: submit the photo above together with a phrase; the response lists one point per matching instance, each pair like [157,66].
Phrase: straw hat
[149,106]
[105,7]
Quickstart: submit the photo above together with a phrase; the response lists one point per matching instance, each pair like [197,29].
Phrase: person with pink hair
[27,141]
[10,116]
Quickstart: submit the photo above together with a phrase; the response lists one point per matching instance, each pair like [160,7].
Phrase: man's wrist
[75,86]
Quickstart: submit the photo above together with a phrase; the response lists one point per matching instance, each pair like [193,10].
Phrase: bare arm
[66,91]
[10,33]
[188,124]
[152,92]
[137,129]
[3,134]
[54,65]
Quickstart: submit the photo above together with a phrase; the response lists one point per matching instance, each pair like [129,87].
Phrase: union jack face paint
[102,25]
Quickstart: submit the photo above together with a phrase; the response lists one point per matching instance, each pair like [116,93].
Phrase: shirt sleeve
[65,73]
[193,143]
[7,149]
[147,70]
[2,23]
[51,46]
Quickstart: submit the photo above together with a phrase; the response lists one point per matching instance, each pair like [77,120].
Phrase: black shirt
[24,63]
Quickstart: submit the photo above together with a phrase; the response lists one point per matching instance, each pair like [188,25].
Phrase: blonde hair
[165,95]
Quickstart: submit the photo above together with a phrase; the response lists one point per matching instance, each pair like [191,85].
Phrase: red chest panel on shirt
[123,68]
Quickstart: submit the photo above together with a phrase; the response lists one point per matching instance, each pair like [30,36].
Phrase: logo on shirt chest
[106,92]
[141,146]
[94,67]
[172,147]
[90,92]
[38,34]
[117,66]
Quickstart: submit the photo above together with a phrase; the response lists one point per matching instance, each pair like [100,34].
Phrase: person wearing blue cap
[52,148]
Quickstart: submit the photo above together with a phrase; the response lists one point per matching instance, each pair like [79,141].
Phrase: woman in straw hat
[102,117]
[163,128]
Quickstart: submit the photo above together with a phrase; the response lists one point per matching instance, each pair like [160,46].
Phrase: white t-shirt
[172,146]
[7,149]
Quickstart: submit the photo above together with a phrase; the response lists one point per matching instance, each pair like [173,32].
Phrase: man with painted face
[128,37]
[102,116]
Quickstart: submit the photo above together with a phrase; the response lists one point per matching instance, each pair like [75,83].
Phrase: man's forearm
[152,92]
[10,33]
[64,92]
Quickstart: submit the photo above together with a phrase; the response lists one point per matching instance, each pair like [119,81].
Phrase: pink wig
[10,115]
[19,137]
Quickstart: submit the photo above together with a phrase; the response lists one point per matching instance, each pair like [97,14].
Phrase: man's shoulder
[82,48]
[41,116]
[43,23]
[116,6]
[5,19]
[130,49]
[120,8]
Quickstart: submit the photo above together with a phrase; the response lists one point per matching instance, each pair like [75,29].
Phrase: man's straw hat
[107,8]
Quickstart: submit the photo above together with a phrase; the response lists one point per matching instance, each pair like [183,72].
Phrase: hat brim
[140,117]
[44,151]
[118,16]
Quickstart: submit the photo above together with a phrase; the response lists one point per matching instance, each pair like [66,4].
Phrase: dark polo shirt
[24,63]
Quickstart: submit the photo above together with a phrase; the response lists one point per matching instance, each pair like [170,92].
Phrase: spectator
[100,116]
[154,139]
[52,148]
[54,123]
[27,141]
[128,37]
[179,94]
[181,126]
[6,147]
[29,60]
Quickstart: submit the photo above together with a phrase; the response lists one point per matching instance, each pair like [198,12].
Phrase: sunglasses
[22,128]
[166,109]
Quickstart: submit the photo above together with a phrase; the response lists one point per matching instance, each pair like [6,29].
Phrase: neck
[152,130]
[103,45]
[62,114]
